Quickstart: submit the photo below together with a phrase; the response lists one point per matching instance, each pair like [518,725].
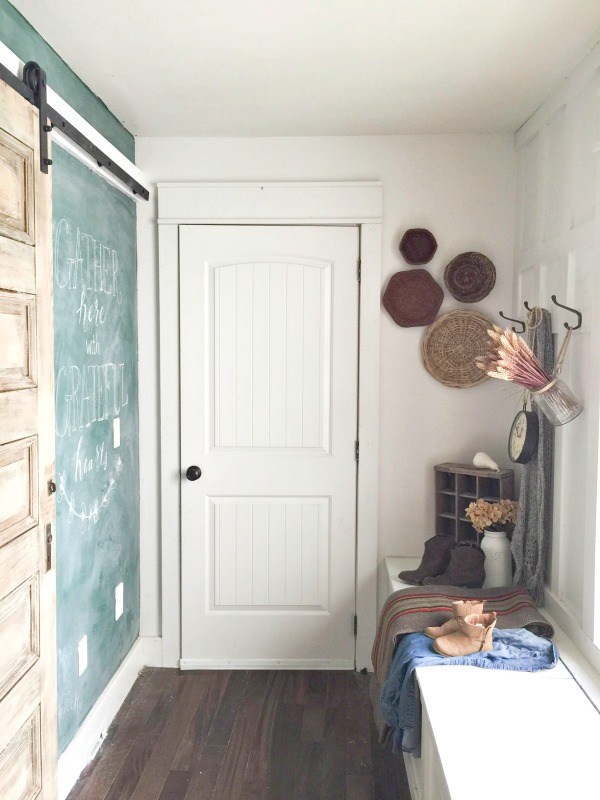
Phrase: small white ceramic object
[498,563]
[483,461]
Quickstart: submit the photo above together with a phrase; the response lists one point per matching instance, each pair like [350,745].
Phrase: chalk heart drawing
[93,392]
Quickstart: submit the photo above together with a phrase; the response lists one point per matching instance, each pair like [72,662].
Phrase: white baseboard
[146,652]
[265,663]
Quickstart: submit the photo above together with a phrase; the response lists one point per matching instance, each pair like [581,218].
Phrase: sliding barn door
[269,373]
[27,594]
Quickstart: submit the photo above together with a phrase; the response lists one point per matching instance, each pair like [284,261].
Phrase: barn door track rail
[33,88]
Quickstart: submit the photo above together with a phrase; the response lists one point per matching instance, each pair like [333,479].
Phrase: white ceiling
[318,67]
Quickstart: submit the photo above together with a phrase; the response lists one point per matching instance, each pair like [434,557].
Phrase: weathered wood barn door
[27,582]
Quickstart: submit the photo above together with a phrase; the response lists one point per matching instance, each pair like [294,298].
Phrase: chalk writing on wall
[96,388]
[94,391]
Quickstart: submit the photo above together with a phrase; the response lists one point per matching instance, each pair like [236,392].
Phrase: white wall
[459,186]
[557,253]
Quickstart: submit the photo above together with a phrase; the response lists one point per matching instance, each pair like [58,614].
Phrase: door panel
[269,342]
[27,592]
[18,488]
[21,762]
[19,632]
[269,554]
[16,189]
[271,357]
[17,334]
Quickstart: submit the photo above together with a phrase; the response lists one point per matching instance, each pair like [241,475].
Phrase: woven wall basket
[412,297]
[451,345]
[470,277]
[418,246]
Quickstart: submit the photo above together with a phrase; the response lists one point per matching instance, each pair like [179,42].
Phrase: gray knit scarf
[533,528]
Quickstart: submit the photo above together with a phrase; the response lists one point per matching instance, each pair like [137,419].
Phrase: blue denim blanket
[514,649]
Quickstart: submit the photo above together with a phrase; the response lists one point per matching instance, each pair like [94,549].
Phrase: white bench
[500,735]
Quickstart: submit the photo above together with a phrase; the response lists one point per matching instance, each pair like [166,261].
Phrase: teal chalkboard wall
[96,384]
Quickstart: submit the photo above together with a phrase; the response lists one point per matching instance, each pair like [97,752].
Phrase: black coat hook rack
[573,311]
[578,314]
[518,321]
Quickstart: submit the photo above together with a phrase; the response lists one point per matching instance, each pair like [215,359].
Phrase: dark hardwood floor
[242,735]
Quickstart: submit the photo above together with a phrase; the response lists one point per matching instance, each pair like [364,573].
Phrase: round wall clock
[523,437]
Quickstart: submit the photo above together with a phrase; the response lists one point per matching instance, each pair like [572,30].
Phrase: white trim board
[270,203]
[12,62]
[354,203]
[146,651]
[265,663]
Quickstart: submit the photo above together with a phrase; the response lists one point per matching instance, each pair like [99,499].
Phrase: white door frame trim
[357,204]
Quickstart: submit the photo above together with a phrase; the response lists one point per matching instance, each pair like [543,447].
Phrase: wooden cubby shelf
[457,485]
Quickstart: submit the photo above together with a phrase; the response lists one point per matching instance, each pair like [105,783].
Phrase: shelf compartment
[467,484]
[488,488]
[446,526]
[447,504]
[445,481]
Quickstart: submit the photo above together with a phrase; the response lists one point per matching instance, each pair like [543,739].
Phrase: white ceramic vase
[498,563]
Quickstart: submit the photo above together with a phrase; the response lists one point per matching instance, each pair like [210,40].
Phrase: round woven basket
[451,345]
[470,277]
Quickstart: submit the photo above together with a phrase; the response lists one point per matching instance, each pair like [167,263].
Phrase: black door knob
[193,473]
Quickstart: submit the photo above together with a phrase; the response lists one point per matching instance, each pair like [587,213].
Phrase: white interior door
[269,373]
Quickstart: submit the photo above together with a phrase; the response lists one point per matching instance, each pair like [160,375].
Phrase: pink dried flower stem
[511,359]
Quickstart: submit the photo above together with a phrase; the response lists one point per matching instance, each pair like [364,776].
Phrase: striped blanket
[412,610]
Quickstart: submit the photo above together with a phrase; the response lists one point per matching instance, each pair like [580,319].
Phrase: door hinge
[356,450]
[48,547]
[359,271]
[355,625]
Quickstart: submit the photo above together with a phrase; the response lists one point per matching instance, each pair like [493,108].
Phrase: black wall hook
[527,306]
[518,321]
[573,311]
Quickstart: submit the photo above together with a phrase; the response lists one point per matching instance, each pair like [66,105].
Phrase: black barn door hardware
[33,88]
[35,77]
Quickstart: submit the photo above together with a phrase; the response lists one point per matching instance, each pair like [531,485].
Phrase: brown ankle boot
[460,608]
[465,568]
[435,560]
[474,635]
